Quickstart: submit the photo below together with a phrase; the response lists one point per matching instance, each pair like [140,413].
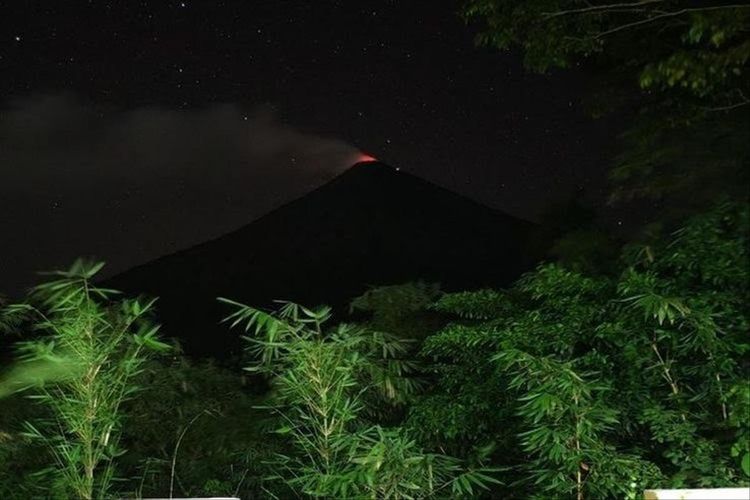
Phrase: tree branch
[598,8]
[743,102]
[668,14]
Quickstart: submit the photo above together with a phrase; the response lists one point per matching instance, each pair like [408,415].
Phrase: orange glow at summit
[365,158]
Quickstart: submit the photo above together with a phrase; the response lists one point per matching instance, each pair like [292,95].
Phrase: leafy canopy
[95,347]
[682,66]
[328,389]
[594,386]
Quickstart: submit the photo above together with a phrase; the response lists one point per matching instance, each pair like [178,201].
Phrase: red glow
[364,158]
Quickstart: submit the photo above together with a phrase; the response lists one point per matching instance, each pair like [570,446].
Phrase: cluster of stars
[404,81]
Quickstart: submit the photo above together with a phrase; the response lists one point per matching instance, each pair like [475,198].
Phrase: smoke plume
[129,185]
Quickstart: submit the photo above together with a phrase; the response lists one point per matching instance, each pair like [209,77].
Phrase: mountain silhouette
[372,225]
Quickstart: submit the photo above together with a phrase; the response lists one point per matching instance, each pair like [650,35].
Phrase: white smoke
[128,185]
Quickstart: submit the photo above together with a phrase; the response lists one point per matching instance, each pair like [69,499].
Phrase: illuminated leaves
[606,381]
[82,370]
[328,385]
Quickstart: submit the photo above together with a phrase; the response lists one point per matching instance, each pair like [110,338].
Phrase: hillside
[371,225]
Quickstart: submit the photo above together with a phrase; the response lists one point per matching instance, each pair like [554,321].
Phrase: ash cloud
[130,185]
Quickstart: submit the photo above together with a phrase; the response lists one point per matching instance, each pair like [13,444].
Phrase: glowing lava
[365,158]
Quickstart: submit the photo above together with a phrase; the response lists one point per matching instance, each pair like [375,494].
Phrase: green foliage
[201,420]
[10,321]
[567,384]
[20,456]
[395,300]
[694,160]
[701,50]
[37,372]
[565,418]
[482,304]
[325,384]
[587,384]
[739,418]
[101,345]
[399,309]
[683,67]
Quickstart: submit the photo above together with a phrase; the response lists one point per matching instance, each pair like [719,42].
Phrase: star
[465,106]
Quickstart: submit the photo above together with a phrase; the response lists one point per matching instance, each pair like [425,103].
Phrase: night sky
[130,129]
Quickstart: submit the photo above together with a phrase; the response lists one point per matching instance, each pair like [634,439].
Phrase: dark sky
[129,129]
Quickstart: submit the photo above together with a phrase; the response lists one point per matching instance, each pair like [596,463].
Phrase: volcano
[371,225]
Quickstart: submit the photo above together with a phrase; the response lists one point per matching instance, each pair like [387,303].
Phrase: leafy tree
[195,429]
[324,383]
[102,345]
[684,163]
[684,66]
[572,234]
[19,455]
[588,384]
[701,49]
[399,309]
